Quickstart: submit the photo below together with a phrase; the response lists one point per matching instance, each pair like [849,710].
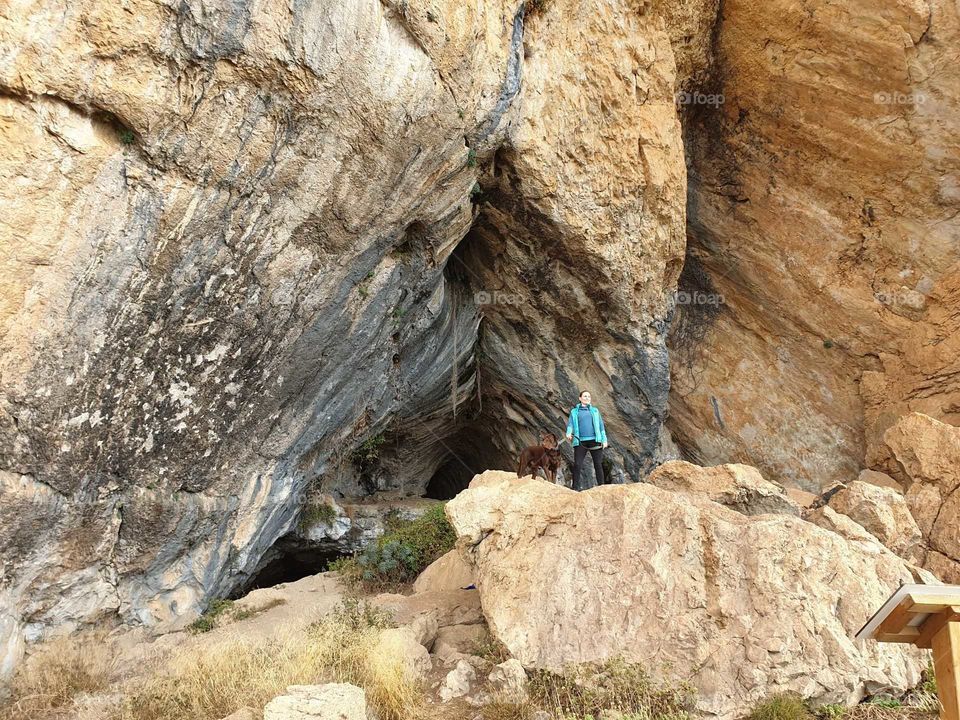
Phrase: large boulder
[402,643]
[927,453]
[451,607]
[875,477]
[456,641]
[509,681]
[884,513]
[737,486]
[742,606]
[448,572]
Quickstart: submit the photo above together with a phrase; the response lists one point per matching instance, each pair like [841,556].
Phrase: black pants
[579,453]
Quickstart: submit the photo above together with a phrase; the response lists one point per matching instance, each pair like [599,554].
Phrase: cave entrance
[288,561]
[470,452]
[449,479]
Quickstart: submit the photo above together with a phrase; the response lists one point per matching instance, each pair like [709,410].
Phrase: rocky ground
[708,591]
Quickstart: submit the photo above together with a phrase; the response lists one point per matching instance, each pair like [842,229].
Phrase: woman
[585,430]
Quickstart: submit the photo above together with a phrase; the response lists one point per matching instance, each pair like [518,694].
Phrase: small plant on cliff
[317,512]
[401,554]
[368,453]
[363,287]
[929,684]
[126,136]
[786,706]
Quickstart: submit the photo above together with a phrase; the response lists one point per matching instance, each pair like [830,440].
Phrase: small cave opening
[449,479]
[289,560]
[470,452]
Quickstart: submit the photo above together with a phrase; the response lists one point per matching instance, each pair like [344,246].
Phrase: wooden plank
[946,666]
[934,624]
[907,635]
[933,598]
[925,607]
[898,618]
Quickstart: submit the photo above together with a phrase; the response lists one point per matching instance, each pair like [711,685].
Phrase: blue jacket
[573,426]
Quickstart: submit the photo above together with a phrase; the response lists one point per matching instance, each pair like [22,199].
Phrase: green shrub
[208,620]
[316,513]
[786,706]
[886,702]
[401,553]
[831,711]
[368,452]
[489,648]
[126,136]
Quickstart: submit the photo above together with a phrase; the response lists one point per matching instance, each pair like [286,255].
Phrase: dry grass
[58,673]
[593,691]
[919,704]
[211,681]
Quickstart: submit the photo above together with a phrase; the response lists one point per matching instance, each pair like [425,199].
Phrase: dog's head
[548,440]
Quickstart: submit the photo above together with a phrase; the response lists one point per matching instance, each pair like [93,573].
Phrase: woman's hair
[582,392]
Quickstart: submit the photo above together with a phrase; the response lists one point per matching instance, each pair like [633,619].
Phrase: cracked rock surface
[253,252]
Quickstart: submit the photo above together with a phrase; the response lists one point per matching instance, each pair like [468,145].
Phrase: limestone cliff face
[824,191]
[260,253]
[242,240]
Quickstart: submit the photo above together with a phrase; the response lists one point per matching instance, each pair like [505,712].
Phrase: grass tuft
[208,620]
[317,512]
[785,706]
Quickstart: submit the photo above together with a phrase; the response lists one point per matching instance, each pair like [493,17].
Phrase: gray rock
[334,701]
[458,682]
[509,680]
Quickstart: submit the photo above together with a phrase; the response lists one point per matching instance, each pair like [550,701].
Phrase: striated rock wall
[252,253]
[824,188]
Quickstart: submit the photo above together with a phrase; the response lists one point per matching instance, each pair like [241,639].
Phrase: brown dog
[544,456]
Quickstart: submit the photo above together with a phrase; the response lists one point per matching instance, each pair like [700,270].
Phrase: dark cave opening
[449,479]
[287,561]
